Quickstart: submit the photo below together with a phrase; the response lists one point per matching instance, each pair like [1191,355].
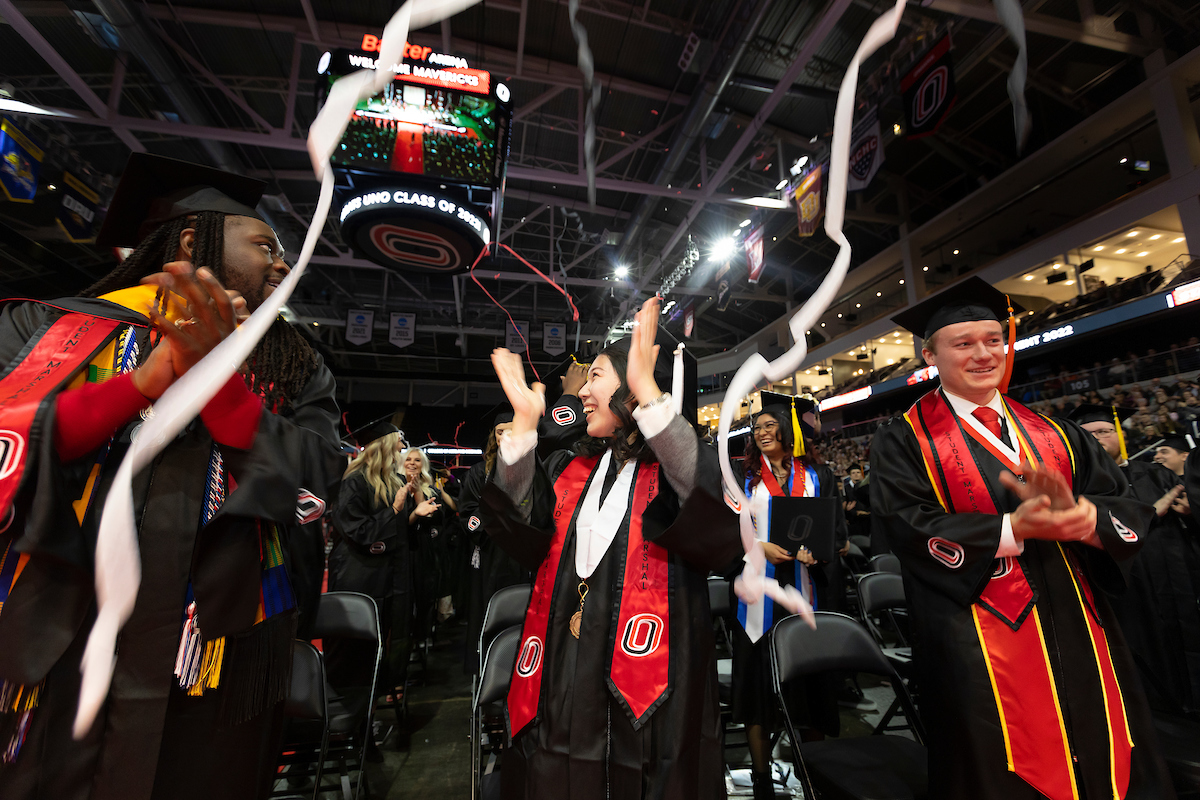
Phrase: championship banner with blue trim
[20,163]
[78,211]
[929,91]
[866,152]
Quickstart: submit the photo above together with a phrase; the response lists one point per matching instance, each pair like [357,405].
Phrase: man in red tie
[1009,528]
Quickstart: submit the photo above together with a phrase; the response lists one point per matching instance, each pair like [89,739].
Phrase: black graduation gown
[433,571]
[563,424]
[1158,612]
[150,739]
[813,701]
[583,745]
[957,705]
[372,556]
[493,570]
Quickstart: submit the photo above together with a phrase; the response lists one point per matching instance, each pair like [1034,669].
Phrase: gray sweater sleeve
[516,481]
[677,450]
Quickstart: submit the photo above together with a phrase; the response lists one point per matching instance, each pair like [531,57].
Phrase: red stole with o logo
[1006,616]
[639,668]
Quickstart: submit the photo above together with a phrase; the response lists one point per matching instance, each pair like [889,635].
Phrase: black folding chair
[351,707]
[884,562]
[306,735]
[882,594]
[875,767]
[505,609]
[495,674]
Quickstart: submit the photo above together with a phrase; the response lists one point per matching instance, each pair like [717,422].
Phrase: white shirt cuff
[1009,546]
[514,448]
[654,420]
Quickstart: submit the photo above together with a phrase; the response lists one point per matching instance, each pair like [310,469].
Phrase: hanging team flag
[554,338]
[866,152]
[77,213]
[359,323]
[754,253]
[20,162]
[929,91]
[724,287]
[808,202]
[689,319]
[403,329]
[516,339]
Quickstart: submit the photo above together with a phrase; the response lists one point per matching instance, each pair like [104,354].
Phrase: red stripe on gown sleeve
[232,416]
[87,417]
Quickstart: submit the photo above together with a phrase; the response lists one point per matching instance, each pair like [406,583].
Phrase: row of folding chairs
[329,725]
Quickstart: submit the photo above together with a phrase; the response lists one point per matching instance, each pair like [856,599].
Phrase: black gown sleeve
[293,451]
[561,426]
[905,503]
[364,521]
[524,537]
[830,488]
[468,502]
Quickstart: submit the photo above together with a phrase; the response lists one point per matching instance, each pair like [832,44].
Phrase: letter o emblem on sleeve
[643,634]
[1126,533]
[12,445]
[530,658]
[473,523]
[564,415]
[949,553]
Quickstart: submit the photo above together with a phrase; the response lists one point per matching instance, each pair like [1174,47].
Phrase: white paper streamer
[591,95]
[1012,19]
[753,584]
[118,564]
[677,383]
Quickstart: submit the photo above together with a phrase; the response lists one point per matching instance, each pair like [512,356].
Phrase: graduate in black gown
[780,462]
[1158,610]
[491,568]
[1027,687]
[223,555]
[614,691]
[373,556]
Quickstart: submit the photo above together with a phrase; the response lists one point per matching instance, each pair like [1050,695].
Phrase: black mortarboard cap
[1092,413]
[154,189]
[1178,443]
[664,369]
[973,299]
[376,430]
[782,403]
[502,416]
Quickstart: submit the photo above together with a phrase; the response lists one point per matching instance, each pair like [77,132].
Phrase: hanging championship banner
[20,161]
[866,152]
[77,213]
[754,253]
[689,319]
[808,202]
[403,330]
[358,326]
[554,338]
[516,339]
[929,91]
[724,287]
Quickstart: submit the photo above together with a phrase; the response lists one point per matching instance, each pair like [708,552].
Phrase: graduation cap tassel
[118,567]
[1011,356]
[797,434]
[753,583]
[1120,435]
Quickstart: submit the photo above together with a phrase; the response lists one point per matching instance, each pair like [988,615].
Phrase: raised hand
[574,379]
[643,353]
[425,508]
[1170,501]
[213,312]
[528,403]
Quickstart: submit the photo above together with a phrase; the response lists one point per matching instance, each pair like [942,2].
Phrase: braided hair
[280,364]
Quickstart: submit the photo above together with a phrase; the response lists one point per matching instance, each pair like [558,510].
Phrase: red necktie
[990,419]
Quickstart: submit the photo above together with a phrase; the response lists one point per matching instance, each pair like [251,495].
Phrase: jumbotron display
[441,133]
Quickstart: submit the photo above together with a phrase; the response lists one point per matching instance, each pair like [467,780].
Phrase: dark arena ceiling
[232,83]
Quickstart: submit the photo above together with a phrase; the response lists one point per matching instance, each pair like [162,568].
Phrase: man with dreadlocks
[203,662]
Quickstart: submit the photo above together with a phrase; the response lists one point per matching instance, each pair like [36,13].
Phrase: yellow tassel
[1120,435]
[210,668]
[797,434]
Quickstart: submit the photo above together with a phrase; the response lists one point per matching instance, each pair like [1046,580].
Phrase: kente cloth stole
[639,668]
[198,663]
[749,616]
[1006,616]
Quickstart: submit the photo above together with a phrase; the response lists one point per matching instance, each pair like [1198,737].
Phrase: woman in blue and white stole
[780,462]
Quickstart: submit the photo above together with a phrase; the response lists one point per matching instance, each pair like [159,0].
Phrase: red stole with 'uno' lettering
[639,669]
[65,348]
[1006,615]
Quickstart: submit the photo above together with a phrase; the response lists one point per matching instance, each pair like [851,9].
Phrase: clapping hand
[1048,510]
[528,403]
